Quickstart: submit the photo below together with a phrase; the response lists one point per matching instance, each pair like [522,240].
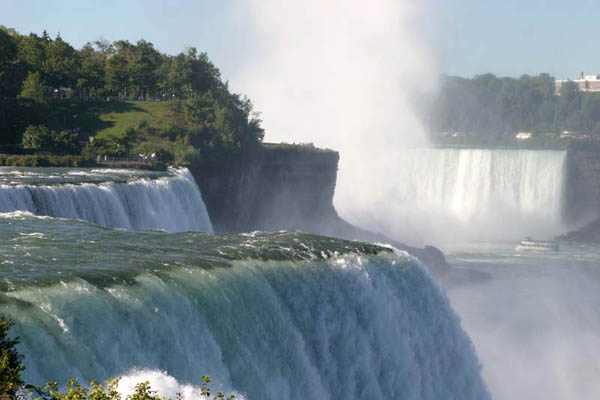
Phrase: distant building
[524,135]
[586,83]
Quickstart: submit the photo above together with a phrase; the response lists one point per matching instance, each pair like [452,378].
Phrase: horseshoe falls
[444,194]
[111,198]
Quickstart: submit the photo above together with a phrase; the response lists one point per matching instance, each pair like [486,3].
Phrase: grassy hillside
[106,119]
[37,73]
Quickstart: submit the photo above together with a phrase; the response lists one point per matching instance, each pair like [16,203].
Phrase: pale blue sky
[469,36]
[171,25]
[512,37]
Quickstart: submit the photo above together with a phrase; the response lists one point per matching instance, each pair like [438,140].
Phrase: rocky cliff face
[271,189]
[582,185]
[581,208]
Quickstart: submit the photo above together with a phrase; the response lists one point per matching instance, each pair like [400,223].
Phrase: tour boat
[531,244]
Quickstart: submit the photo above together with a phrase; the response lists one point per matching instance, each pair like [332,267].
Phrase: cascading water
[270,315]
[110,198]
[448,194]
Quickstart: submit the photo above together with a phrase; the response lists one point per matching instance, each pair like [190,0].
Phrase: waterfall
[173,203]
[451,194]
[269,315]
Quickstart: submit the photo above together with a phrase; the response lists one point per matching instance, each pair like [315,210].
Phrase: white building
[586,83]
[524,135]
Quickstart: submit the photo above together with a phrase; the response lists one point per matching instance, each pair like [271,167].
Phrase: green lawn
[105,119]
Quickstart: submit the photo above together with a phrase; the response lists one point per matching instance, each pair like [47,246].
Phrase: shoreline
[71,161]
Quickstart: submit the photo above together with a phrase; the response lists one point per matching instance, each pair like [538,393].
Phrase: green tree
[203,75]
[11,381]
[33,88]
[37,137]
[143,68]
[32,51]
[8,48]
[569,103]
[91,72]
[117,75]
[11,70]
[10,361]
[64,142]
[61,64]
[210,117]
[41,138]
[493,109]
[178,77]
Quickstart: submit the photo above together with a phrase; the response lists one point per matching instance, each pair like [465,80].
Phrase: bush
[187,155]
[65,142]
[109,391]
[39,137]
[46,160]
[33,88]
[10,361]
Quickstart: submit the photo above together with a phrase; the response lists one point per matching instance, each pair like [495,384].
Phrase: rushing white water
[162,382]
[173,203]
[441,195]
[289,325]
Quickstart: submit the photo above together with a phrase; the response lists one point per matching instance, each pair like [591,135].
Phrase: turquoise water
[39,250]
[268,315]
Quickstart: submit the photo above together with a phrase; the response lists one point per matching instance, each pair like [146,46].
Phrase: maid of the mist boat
[531,244]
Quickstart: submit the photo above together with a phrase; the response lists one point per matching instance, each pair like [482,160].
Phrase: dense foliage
[489,109]
[49,160]
[43,81]
[109,391]
[42,138]
[10,361]
[11,381]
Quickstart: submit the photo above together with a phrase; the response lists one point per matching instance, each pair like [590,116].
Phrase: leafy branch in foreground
[10,361]
[109,391]
[11,381]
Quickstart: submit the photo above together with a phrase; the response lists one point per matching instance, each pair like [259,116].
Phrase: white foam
[173,203]
[165,385]
[353,327]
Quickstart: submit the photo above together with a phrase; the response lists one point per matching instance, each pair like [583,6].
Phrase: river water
[536,322]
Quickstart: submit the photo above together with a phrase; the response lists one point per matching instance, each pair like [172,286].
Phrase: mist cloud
[343,75]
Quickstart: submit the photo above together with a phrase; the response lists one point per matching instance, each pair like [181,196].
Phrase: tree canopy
[38,72]
[10,360]
[490,108]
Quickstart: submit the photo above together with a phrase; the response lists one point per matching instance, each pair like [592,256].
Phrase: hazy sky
[505,37]
[512,37]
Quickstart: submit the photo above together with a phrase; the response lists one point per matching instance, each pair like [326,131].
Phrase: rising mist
[343,75]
